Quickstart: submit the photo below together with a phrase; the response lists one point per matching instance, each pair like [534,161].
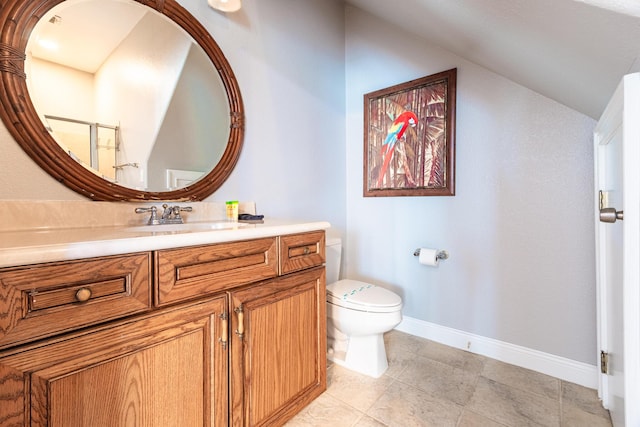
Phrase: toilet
[358,314]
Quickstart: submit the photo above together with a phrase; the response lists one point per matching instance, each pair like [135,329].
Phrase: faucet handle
[153,219]
[177,209]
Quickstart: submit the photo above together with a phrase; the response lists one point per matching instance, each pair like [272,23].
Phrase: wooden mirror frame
[17,20]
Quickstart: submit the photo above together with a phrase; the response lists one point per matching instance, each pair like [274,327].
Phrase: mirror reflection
[127,93]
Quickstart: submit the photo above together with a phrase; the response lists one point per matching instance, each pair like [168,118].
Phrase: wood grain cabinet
[163,369]
[43,300]
[214,335]
[278,361]
[189,273]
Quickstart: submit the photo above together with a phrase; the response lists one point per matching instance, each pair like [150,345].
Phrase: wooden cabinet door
[167,369]
[278,346]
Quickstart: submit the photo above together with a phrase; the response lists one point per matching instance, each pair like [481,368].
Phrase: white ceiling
[572,51]
[103,26]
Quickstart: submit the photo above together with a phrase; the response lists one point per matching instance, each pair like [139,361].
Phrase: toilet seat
[362,296]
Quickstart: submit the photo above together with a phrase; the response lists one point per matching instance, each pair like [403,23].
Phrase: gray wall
[195,128]
[520,227]
[288,56]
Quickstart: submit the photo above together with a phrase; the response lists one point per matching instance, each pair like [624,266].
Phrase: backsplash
[52,214]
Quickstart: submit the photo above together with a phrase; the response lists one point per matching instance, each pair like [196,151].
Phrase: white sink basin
[187,227]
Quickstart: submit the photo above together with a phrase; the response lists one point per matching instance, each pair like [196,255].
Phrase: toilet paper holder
[440,255]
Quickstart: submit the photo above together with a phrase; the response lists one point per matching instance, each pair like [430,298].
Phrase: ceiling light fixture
[48,44]
[226,5]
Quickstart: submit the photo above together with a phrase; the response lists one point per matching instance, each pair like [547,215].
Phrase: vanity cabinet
[278,346]
[162,369]
[277,327]
[222,334]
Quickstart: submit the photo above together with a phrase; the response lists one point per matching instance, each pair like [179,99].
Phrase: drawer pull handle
[224,330]
[240,312]
[83,294]
[306,250]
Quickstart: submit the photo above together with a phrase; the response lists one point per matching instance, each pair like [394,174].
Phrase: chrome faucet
[166,213]
[170,214]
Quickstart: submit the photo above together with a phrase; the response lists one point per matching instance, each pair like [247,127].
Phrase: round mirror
[120,99]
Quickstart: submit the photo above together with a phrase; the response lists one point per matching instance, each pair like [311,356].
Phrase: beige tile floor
[429,384]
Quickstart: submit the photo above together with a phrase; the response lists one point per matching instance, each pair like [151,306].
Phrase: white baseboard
[565,369]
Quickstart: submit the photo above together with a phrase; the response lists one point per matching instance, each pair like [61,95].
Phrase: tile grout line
[560,402]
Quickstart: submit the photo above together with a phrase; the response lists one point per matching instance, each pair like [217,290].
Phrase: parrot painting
[395,133]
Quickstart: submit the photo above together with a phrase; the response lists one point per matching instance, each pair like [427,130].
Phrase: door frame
[623,110]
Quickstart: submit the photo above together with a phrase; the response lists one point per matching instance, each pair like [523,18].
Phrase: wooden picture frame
[409,138]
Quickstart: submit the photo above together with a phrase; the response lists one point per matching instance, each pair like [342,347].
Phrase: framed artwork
[409,138]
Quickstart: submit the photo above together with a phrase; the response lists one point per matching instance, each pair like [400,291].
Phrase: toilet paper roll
[429,257]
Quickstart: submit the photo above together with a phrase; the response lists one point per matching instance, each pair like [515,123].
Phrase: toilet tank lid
[331,241]
[358,295]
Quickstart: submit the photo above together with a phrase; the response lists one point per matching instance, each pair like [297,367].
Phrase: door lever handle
[610,215]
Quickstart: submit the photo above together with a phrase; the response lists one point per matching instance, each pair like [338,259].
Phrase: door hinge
[604,362]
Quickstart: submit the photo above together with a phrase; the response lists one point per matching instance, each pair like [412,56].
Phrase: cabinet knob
[83,294]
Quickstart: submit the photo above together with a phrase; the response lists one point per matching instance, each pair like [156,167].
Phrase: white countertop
[35,246]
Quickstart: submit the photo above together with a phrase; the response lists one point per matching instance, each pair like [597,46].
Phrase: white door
[617,185]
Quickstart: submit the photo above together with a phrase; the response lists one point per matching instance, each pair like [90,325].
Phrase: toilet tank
[333,248]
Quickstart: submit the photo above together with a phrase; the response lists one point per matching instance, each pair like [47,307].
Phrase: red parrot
[395,133]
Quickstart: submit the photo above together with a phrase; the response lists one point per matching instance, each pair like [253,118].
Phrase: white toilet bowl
[358,314]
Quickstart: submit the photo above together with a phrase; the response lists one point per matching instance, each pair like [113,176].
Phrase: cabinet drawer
[43,300]
[192,272]
[300,251]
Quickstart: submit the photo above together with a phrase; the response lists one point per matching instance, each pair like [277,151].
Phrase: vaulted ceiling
[572,51]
